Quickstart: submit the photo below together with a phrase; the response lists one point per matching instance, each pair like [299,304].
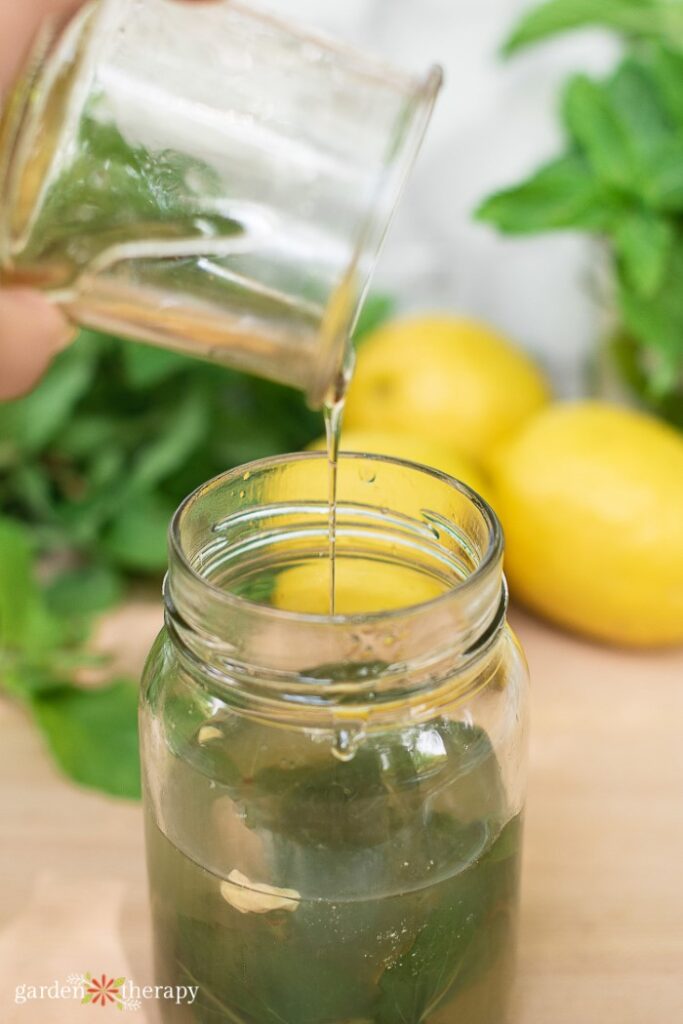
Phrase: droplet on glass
[347,740]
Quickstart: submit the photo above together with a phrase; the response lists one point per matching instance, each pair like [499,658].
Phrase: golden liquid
[401,865]
[334,416]
[333,420]
[442,953]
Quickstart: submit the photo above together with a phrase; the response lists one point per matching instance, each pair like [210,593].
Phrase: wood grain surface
[602,908]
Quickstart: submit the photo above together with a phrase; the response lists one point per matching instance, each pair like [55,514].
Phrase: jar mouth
[483,565]
[393,517]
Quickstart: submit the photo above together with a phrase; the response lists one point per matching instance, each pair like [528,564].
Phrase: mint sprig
[620,179]
[91,732]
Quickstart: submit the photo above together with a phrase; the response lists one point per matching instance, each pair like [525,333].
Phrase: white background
[495,121]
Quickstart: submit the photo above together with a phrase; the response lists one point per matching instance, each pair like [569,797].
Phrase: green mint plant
[100,454]
[91,733]
[620,179]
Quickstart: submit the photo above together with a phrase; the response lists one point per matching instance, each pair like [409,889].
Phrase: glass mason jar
[206,178]
[334,803]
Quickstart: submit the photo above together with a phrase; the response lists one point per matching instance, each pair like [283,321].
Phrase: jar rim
[280,662]
[489,562]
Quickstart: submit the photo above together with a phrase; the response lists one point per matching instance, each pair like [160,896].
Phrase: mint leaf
[92,734]
[84,591]
[137,539]
[646,18]
[636,101]
[174,445]
[405,906]
[643,242]
[31,422]
[110,185]
[563,194]
[663,188]
[595,125]
[666,68]
[17,588]
[657,319]
[146,366]
[622,180]
[467,933]
[25,622]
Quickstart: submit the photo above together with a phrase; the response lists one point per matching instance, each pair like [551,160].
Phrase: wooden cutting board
[602,921]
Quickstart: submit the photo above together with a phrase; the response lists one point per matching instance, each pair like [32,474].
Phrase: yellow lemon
[365,585]
[446,379]
[405,446]
[591,499]
[361,587]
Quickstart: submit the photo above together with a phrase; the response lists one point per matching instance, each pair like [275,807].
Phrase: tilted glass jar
[334,803]
[207,178]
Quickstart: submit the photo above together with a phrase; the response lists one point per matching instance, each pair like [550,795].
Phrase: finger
[19,22]
[32,331]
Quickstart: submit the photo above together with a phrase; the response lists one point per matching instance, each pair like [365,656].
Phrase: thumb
[32,331]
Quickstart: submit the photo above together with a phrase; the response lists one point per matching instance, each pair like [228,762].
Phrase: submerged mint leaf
[110,185]
[92,735]
[470,925]
[396,923]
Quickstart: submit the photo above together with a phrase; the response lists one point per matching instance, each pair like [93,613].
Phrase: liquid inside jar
[369,888]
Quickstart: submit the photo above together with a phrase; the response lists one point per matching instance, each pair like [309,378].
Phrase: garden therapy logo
[105,990]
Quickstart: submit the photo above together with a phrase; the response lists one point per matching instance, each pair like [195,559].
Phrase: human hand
[32,330]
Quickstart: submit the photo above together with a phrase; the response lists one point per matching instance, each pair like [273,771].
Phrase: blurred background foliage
[98,457]
[93,464]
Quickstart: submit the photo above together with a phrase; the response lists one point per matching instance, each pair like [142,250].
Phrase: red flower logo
[103,990]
